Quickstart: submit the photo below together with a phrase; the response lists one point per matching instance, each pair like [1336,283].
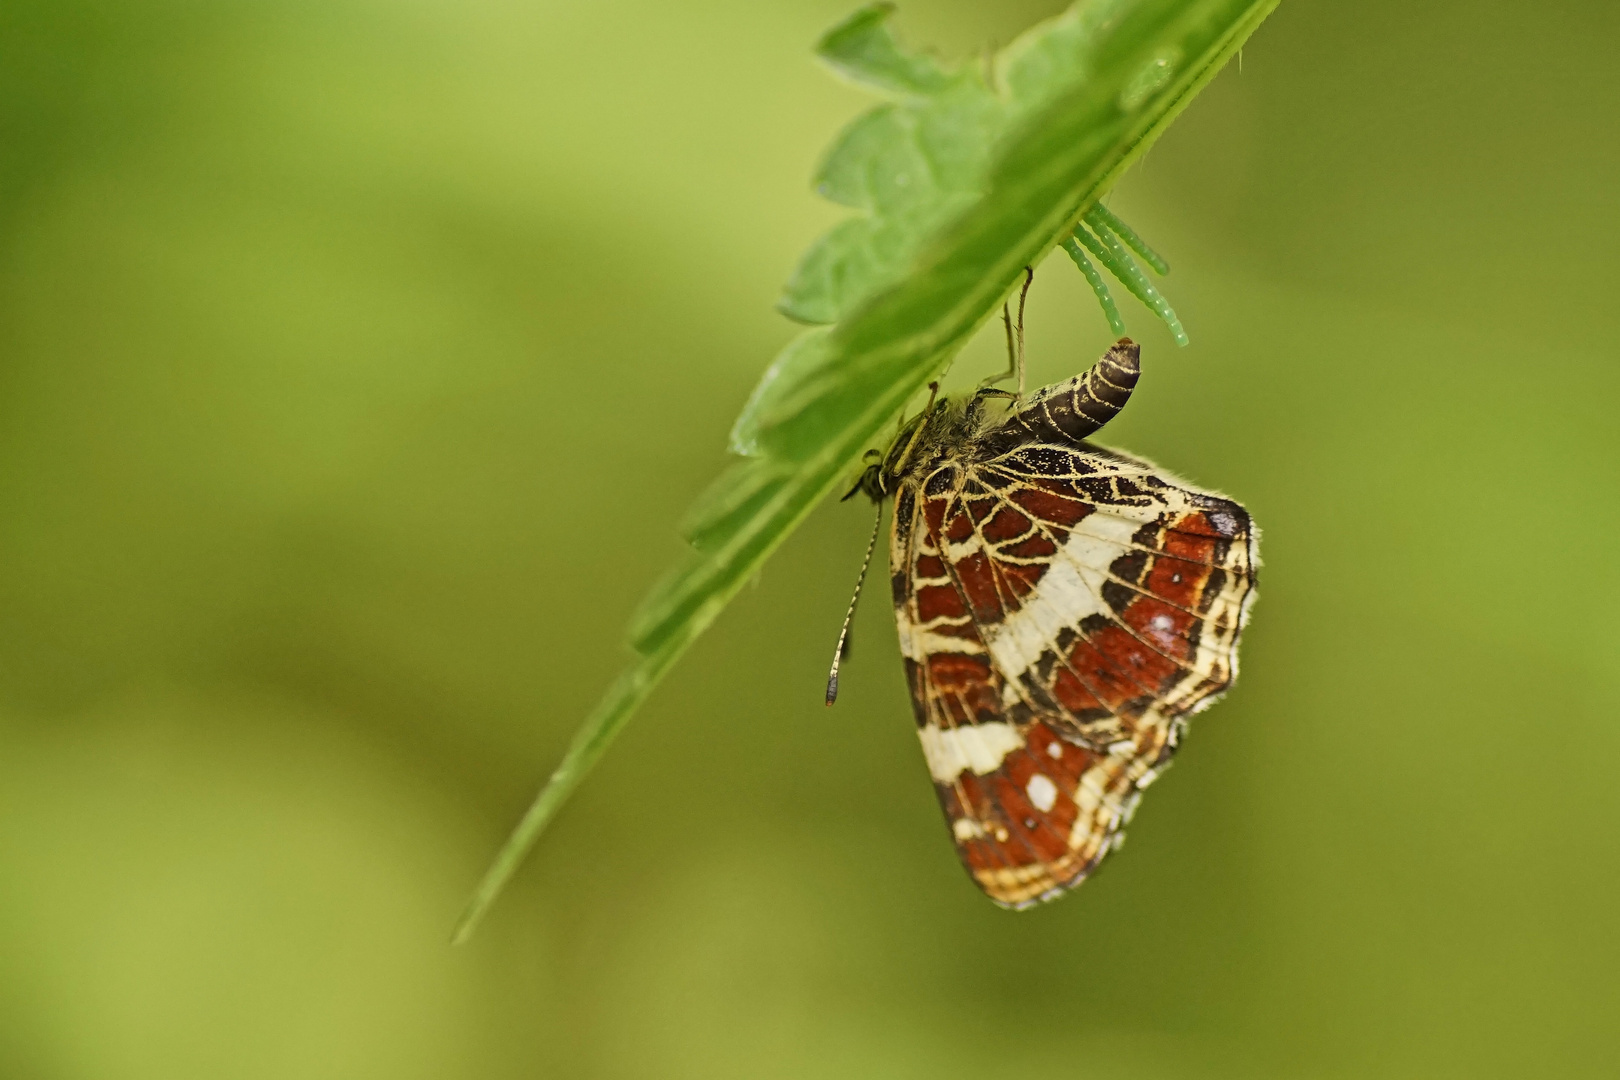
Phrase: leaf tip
[464,929]
[862,48]
[854,26]
[473,914]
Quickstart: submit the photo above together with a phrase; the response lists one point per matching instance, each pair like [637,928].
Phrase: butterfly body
[1062,608]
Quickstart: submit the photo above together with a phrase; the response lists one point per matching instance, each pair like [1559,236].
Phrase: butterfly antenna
[849,616]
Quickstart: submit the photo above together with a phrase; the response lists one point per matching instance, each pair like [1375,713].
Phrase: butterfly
[1062,609]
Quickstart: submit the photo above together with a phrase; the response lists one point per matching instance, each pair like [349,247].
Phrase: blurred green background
[357,361]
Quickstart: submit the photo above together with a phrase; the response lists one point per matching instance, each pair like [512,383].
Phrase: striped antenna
[849,616]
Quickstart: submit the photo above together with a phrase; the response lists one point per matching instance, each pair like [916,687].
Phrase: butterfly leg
[1015,337]
[983,394]
[894,466]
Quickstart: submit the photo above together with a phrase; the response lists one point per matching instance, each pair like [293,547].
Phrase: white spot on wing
[966,829]
[1042,792]
[980,747]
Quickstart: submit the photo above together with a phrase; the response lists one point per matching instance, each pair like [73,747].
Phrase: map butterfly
[1062,609]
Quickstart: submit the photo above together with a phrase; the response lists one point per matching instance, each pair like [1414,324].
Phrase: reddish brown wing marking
[1012,831]
[1041,821]
[1051,660]
[1152,577]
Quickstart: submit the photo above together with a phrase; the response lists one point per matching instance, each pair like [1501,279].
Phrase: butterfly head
[946,424]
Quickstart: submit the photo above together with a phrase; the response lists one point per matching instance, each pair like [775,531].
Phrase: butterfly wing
[1137,584]
[1062,608]
[1015,794]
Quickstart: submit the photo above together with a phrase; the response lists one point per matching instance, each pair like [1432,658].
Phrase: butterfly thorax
[957,427]
[951,428]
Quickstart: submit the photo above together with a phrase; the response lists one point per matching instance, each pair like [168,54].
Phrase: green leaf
[970,175]
[862,48]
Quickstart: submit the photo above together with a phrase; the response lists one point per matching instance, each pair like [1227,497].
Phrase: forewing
[1138,585]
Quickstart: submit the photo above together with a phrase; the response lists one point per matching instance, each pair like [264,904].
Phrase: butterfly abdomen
[1079,407]
[1104,390]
